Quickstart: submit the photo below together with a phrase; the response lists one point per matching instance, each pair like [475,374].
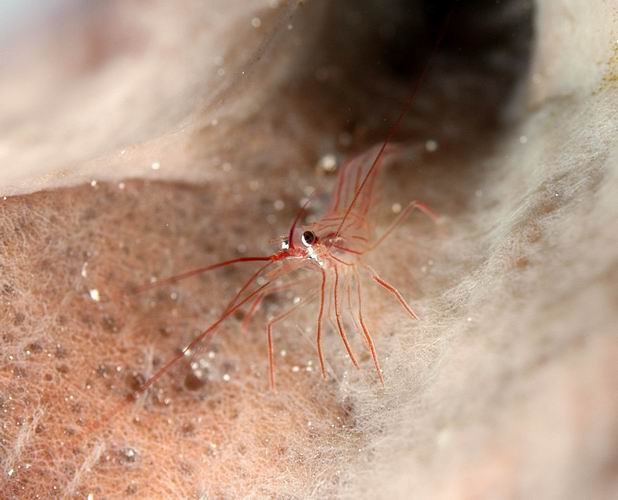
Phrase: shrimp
[332,249]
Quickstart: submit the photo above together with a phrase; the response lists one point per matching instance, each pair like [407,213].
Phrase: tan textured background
[504,389]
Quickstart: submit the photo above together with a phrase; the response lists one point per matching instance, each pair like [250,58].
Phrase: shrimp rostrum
[333,247]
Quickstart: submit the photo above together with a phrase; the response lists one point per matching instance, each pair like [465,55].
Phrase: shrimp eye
[308,238]
[285,244]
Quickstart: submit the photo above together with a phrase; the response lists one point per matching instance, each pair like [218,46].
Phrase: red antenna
[295,222]
[397,123]
[200,270]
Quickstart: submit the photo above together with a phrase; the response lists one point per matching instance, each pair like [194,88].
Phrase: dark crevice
[367,54]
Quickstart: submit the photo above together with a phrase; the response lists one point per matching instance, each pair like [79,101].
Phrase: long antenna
[200,270]
[397,123]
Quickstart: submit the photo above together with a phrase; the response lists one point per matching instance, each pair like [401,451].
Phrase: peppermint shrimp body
[334,247]
[323,260]
[331,249]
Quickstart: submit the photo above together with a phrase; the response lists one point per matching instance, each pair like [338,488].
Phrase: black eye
[308,238]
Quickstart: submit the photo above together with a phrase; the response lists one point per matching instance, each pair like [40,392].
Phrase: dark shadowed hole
[368,54]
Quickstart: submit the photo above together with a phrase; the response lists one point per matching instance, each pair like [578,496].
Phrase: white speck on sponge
[328,163]
[431,145]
